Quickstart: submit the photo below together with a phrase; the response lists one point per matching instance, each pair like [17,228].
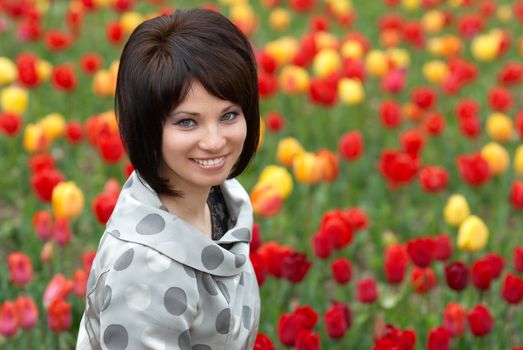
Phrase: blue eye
[186,123]
[229,116]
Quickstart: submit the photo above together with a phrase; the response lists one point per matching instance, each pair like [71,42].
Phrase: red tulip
[43,224]
[309,316]
[500,99]
[103,206]
[74,18]
[90,63]
[307,340]
[59,316]
[295,267]
[434,124]
[319,23]
[482,274]
[273,254]
[454,318]
[353,69]
[275,122]
[80,282]
[395,263]
[26,65]
[473,169]
[256,240]
[29,29]
[58,288]
[397,167]
[10,124]
[395,338]
[512,289]
[301,6]
[497,262]
[511,73]
[337,320]
[289,325]
[462,70]
[516,194]
[114,32]
[123,5]
[56,40]
[393,82]
[43,182]
[517,258]
[260,267]
[470,127]
[470,24]
[64,78]
[480,320]
[412,142]
[336,225]
[40,162]
[441,247]
[390,114]
[20,269]
[467,108]
[367,291]
[267,85]
[519,124]
[456,275]
[27,312]
[73,132]
[357,219]
[439,339]
[424,97]
[8,319]
[413,34]
[351,145]
[341,270]
[322,245]
[420,251]
[87,259]
[433,179]
[266,62]
[423,279]
[263,342]
[62,232]
[323,92]
[110,148]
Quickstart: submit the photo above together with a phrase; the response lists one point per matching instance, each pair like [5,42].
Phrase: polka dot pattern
[157,262]
[223,321]
[212,257]
[138,297]
[175,301]
[116,337]
[224,290]
[91,281]
[128,183]
[189,271]
[150,225]
[239,259]
[107,294]
[184,340]
[242,234]
[246,316]
[209,285]
[201,347]
[115,233]
[124,260]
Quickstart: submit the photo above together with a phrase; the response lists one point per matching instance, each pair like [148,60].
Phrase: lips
[209,162]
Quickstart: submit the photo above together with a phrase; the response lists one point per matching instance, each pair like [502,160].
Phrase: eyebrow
[196,113]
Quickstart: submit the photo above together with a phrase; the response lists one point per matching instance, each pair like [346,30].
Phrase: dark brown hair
[160,60]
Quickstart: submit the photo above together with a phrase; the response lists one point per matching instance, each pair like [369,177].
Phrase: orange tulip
[307,168]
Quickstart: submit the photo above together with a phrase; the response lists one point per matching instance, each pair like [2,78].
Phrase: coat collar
[140,217]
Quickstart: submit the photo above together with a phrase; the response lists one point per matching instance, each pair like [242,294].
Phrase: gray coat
[158,283]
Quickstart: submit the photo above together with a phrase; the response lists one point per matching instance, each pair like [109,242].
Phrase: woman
[172,268]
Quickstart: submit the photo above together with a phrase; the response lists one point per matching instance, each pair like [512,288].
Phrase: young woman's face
[201,141]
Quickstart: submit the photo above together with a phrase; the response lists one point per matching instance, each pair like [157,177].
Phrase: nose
[213,139]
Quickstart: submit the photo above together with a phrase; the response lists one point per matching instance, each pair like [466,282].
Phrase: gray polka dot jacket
[158,283]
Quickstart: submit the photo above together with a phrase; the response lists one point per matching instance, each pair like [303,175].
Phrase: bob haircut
[161,59]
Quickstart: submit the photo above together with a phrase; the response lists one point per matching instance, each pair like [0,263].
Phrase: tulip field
[387,187]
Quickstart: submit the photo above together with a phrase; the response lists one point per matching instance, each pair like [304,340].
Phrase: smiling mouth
[210,162]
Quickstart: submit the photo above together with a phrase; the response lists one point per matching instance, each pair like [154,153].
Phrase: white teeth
[209,162]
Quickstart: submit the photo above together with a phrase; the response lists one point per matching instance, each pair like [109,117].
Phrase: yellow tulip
[35,138]
[497,157]
[518,160]
[14,99]
[504,13]
[283,50]
[326,40]
[388,237]
[500,127]
[376,63]
[340,7]
[287,149]
[104,83]
[433,21]
[293,79]
[279,19]
[435,46]
[455,3]
[279,177]
[53,125]
[130,20]
[262,133]
[485,47]
[326,62]
[307,168]
[473,234]
[265,199]
[456,210]
[243,16]
[352,49]
[67,200]
[410,5]
[43,70]
[435,71]
[399,57]
[350,91]
[8,71]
